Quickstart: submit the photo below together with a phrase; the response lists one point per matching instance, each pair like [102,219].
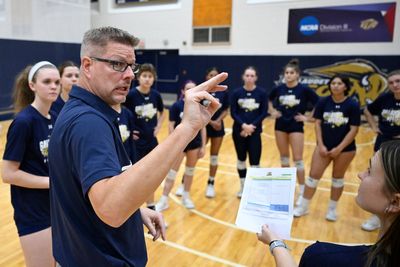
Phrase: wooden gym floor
[207,235]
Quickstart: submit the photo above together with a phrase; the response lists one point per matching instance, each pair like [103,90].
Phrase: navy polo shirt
[248,107]
[144,108]
[336,119]
[85,148]
[290,101]
[387,108]
[27,143]
[223,98]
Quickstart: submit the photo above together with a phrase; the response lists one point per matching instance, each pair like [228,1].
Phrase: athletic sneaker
[240,192]
[187,202]
[162,204]
[179,191]
[371,224]
[331,215]
[298,201]
[210,191]
[300,211]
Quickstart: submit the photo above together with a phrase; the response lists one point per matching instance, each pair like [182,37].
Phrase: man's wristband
[276,243]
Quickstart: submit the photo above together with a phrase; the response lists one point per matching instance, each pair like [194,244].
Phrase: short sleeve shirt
[85,148]
[27,143]
[387,108]
[336,119]
[144,108]
[248,107]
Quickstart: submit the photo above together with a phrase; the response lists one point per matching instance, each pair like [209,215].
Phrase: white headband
[36,67]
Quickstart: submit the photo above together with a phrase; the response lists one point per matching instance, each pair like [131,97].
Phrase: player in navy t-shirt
[248,110]
[126,123]
[215,132]
[287,103]
[69,73]
[25,160]
[193,151]
[387,108]
[337,120]
[147,108]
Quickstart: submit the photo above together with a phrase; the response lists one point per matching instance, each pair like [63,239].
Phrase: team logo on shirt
[146,112]
[335,118]
[123,129]
[44,149]
[392,116]
[181,115]
[248,104]
[289,101]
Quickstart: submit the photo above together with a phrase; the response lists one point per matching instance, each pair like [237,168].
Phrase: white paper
[267,198]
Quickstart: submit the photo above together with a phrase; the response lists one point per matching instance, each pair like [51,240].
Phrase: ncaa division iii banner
[355,23]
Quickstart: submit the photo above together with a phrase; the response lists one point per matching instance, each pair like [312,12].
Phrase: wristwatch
[277,243]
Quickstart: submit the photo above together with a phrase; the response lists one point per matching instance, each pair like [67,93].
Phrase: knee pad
[213,160]
[171,175]
[255,166]
[189,171]
[241,165]
[285,161]
[299,164]
[311,182]
[337,182]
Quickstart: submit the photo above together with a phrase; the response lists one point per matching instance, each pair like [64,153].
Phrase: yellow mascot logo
[368,82]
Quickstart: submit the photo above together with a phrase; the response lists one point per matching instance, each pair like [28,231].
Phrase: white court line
[235,174]
[196,252]
[208,217]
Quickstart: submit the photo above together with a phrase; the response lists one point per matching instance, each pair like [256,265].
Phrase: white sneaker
[240,192]
[371,224]
[187,202]
[162,204]
[300,211]
[179,191]
[298,201]
[331,215]
[210,191]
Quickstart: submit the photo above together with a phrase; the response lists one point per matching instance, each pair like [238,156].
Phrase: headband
[36,67]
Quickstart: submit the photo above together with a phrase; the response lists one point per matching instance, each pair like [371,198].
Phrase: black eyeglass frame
[114,63]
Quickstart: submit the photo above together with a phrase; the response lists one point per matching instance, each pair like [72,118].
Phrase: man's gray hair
[95,40]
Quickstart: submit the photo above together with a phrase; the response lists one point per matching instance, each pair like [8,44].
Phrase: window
[211,35]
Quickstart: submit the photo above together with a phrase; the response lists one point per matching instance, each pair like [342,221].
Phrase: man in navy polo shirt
[95,192]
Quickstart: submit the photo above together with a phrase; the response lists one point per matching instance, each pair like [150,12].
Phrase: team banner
[355,23]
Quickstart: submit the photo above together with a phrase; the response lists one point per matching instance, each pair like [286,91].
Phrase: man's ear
[86,64]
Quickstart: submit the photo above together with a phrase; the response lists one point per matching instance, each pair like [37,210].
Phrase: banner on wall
[341,24]
[367,80]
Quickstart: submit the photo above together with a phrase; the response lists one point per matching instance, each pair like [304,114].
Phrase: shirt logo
[248,104]
[123,129]
[392,116]
[44,149]
[335,119]
[289,101]
[146,112]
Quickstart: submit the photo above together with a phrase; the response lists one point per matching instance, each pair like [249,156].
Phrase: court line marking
[196,252]
[231,225]
[235,174]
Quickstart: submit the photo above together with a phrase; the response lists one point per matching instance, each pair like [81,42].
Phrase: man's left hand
[154,221]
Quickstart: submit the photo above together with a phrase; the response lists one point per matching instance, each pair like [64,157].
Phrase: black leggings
[247,145]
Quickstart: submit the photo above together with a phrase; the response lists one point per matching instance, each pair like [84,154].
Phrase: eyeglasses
[119,65]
